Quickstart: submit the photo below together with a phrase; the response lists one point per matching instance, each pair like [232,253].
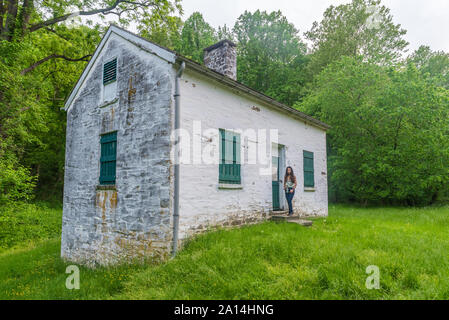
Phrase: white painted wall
[202,203]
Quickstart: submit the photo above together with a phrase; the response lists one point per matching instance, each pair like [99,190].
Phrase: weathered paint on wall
[100,225]
[202,203]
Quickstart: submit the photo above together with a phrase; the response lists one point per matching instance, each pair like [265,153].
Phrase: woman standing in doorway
[289,187]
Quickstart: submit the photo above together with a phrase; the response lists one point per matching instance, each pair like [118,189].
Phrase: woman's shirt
[289,183]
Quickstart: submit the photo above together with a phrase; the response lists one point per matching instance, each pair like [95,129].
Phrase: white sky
[427,21]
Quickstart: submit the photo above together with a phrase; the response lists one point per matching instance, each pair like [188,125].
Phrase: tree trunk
[2,12]
[11,16]
[25,14]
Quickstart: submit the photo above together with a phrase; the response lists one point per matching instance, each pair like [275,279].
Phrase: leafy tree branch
[53,56]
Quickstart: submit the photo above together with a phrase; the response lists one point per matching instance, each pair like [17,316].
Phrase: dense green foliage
[389,137]
[42,53]
[267,261]
[360,28]
[271,55]
[432,65]
[24,223]
[389,116]
[389,141]
[196,35]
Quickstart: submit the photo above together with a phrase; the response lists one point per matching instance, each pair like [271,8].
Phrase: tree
[42,53]
[32,125]
[434,65]
[360,28]
[166,33]
[225,33]
[271,56]
[388,142]
[21,18]
[196,35]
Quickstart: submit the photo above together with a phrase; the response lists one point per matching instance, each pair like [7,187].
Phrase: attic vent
[110,72]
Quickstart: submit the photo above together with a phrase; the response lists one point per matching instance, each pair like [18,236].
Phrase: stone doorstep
[284,218]
[293,219]
[279,213]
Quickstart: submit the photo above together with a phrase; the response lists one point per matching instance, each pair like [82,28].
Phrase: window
[110,72]
[229,158]
[108,158]
[309,179]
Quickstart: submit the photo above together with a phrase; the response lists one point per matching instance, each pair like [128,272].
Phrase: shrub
[16,182]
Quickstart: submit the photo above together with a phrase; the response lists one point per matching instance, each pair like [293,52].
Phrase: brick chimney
[222,57]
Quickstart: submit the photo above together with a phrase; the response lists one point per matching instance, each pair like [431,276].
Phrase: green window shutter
[309,175]
[108,158]
[110,72]
[229,147]
[230,165]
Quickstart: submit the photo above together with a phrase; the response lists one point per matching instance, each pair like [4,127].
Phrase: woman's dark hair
[292,175]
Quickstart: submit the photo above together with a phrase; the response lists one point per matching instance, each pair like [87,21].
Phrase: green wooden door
[276,184]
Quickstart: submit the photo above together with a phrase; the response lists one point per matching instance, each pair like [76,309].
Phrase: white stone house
[124,194]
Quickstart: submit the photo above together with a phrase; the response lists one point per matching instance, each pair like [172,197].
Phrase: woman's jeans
[289,197]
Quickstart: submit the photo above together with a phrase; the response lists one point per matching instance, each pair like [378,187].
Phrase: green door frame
[275,185]
[277,179]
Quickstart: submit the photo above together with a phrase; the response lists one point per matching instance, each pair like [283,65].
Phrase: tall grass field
[409,246]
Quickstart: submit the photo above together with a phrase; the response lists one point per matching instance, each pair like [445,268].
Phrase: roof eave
[241,87]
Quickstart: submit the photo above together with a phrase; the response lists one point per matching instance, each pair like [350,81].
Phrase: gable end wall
[135,220]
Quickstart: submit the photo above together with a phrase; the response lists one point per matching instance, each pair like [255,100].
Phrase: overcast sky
[427,21]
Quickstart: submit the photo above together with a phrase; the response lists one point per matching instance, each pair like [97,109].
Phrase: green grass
[267,261]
